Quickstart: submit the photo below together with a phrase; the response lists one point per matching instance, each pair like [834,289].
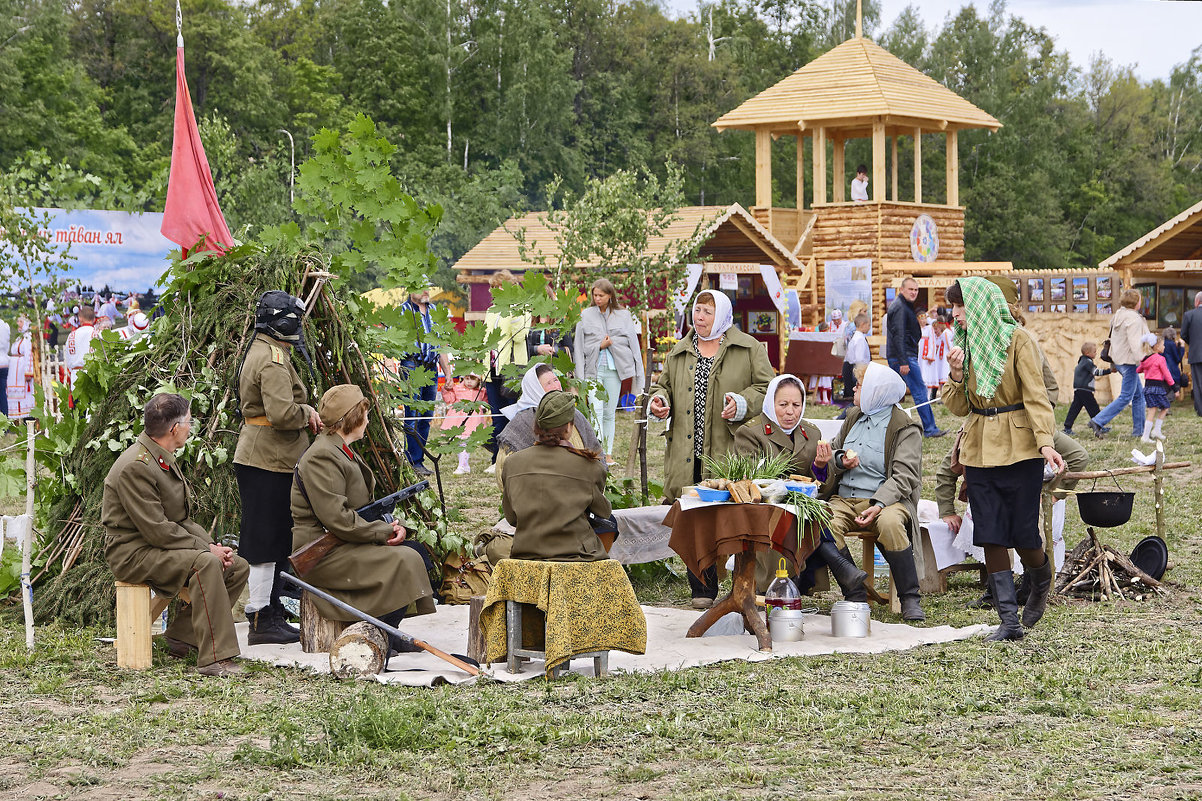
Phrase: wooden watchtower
[859,90]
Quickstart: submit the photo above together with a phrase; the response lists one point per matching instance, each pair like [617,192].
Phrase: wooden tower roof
[854,84]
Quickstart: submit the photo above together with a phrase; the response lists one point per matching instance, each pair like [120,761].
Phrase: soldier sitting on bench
[151,539]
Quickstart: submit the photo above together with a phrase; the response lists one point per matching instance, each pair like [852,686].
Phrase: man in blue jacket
[901,350]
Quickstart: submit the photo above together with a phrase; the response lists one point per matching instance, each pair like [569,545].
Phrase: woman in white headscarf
[519,433]
[876,477]
[781,429]
[713,380]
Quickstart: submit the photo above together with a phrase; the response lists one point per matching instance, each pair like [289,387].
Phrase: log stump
[360,650]
[317,633]
[475,635]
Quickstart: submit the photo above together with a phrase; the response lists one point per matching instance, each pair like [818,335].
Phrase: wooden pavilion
[860,90]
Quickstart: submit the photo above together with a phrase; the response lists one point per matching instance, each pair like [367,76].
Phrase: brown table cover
[702,535]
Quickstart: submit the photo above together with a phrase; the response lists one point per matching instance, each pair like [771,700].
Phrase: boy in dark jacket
[1084,385]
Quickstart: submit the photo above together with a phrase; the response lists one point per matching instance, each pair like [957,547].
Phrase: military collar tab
[346,450]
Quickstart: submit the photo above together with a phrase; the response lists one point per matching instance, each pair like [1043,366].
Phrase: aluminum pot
[785,625]
[850,619]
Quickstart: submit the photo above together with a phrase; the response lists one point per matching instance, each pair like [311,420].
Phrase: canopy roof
[1179,238]
[853,84]
[729,233]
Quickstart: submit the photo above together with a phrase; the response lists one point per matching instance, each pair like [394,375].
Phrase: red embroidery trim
[767,429]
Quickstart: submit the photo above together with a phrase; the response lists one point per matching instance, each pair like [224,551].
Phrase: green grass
[1100,701]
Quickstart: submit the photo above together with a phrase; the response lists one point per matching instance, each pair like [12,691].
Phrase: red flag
[192,211]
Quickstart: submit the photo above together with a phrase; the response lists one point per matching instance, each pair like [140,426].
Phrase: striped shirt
[427,354]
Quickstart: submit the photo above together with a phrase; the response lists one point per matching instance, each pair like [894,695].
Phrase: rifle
[393,630]
[306,557]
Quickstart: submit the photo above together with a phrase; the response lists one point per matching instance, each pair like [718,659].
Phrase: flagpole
[179,25]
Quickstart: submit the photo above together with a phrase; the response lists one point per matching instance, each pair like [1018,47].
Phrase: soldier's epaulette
[277,354]
[144,456]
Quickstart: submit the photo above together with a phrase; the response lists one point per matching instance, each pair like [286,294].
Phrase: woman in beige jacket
[996,381]
[1127,329]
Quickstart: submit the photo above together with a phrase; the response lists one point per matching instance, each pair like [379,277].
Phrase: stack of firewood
[1098,572]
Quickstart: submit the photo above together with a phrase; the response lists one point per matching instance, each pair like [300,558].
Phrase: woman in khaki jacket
[368,571]
[996,381]
[1127,329]
[713,380]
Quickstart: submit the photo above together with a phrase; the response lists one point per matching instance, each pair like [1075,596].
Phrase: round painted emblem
[924,239]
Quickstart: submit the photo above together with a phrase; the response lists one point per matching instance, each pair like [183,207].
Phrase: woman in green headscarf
[996,381]
[549,488]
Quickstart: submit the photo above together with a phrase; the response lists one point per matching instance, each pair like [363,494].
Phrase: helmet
[279,315]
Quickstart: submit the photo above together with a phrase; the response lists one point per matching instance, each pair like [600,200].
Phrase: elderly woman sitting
[875,484]
[519,433]
[781,429]
[549,490]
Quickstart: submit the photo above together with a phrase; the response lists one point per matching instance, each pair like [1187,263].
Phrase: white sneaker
[462,469]
[492,468]
[1158,435]
[1147,439]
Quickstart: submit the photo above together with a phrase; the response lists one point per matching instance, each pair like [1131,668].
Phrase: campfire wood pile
[1098,572]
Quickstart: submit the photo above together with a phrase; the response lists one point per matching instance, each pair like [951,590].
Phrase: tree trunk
[317,633]
[361,650]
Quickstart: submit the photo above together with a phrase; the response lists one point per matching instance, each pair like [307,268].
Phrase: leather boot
[281,615]
[1002,585]
[859,593]
[849,577]
[905,582]
[267,629]
[984,602]
[1039,580]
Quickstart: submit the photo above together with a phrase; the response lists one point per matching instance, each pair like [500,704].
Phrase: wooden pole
[893,168]
[953,169]
[819,148]
[878,162]
[838,173]
[917,165]
[27,545]
[801,175]
[763,168]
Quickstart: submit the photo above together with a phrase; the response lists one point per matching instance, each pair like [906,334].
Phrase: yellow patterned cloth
[588,606]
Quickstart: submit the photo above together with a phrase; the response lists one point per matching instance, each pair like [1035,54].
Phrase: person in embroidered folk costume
[875,483]
[152,539]
[368,571]
[996,382]
[549,489]
[275,418]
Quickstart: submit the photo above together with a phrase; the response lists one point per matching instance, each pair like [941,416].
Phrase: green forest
[489,100]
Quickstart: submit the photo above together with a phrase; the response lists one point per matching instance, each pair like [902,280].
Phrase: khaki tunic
[762,437]
[365,573]
[546,495]
[1009,437]
[270,387]
[903,471]
[741,367]
[150,538]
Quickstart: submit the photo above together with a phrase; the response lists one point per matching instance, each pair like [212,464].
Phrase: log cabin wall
[879,231]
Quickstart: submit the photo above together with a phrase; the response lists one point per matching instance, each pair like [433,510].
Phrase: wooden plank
[763,168]
[878,161]
[953,169]
[893,167]
[819,148]
[838,172]
[801,172]
[133,626]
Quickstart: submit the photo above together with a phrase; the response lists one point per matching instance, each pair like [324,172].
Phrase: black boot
[849,577]
[1002,584]
[281,615]
[1039,580]
[1023,591]
[905,582]
[266,628]
[984,602]
[395,643]
[704,587]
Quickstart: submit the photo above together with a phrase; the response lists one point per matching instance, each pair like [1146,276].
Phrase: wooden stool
[868,565]
[514,652]
[317,633]
[135,611]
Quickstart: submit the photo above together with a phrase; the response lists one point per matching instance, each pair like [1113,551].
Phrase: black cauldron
[1105,509]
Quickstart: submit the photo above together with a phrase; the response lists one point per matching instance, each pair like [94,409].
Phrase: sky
[1149,35]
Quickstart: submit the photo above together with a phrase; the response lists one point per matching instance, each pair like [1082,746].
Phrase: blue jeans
[918,389]
[1132,393]
[418,431]
[495,403]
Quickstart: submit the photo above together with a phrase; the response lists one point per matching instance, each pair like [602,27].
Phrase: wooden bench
[136,609]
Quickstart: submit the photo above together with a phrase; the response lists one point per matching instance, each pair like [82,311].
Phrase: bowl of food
[802,484]
[712,495]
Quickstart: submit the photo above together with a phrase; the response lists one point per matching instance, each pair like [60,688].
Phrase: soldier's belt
[261,420]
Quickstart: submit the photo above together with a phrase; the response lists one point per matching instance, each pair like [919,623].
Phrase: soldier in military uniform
[273,437]
[152,539]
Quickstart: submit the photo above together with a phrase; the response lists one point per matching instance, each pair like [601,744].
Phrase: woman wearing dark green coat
[368,571]
[781,429]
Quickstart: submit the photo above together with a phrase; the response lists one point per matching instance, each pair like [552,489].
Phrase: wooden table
[704,534]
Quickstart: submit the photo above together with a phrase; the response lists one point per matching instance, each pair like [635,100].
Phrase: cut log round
[360,650]
[317,633]
[475,635]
